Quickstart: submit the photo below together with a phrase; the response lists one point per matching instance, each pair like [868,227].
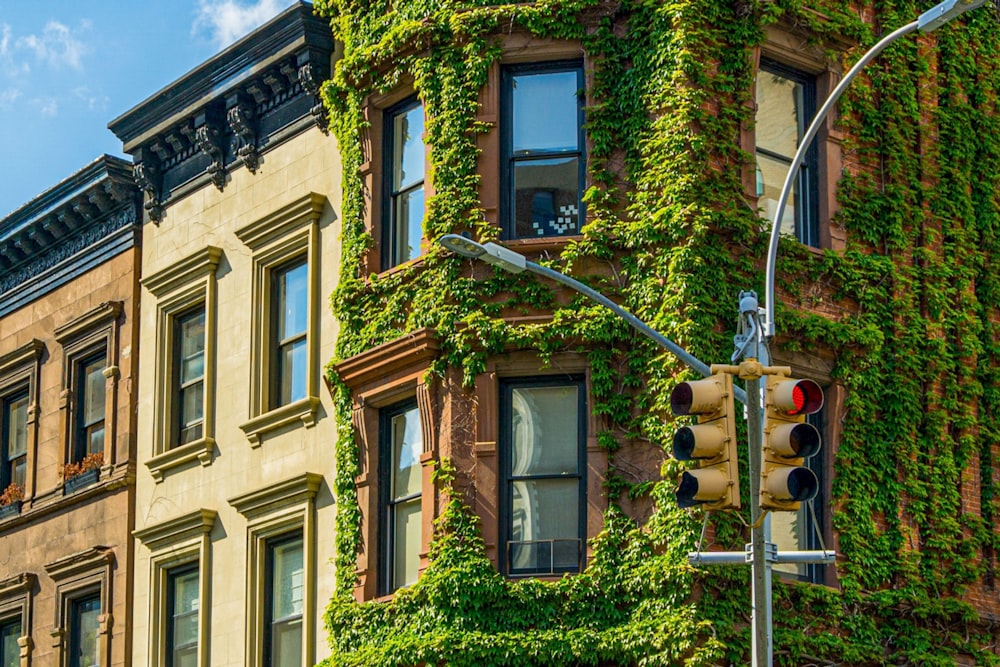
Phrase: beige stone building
[240,247]
[68,335]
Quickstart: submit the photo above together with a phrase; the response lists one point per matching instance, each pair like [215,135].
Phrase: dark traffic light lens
[802,484]
[804,440]
[684,444]
[681,399]
[687,490]
[807,398]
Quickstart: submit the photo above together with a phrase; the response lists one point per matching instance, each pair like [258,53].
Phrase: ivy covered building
[503,491]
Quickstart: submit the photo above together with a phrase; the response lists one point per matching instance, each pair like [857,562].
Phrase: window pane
[292,367]
[192,346]
[544,429]
[94,391]
[185,609]
[10,630]
[95,439]
[17,435]
[293,297]
[545,108]
[407,445]
[409,218]
[286,647]
[779,121]
[192,409]
[406,542]
[545,525]
[287,578]
[84,625]
[771,177]
[547,197]
[408,148]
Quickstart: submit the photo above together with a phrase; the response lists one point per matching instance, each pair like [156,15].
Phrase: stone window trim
[526,364]
[77,576]
[794,48]
[95,331]
[377,378]
[271,513]
[20,370]
[288,233]
[178,288]
[178,542]
[16,597]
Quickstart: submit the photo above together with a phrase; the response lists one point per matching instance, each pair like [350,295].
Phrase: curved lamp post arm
[800,154]
[933,18]
[509,260]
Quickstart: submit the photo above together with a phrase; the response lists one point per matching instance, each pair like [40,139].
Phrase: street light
[932,19]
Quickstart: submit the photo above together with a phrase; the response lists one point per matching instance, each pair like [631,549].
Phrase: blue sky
[69,67]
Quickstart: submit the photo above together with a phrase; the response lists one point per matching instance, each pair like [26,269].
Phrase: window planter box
[10,510]
[84,479]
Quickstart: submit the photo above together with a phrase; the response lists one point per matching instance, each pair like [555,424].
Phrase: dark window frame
[177,425]
[807,183]
[390,255]
[12,620]
[507,159]
[386,504]
[268,617]
[81,428]
[507,479]
[74,626]
[171,614]
[7,465]
[277,345]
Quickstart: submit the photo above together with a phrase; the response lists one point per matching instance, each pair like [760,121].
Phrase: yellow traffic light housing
[788,441]
[715,483]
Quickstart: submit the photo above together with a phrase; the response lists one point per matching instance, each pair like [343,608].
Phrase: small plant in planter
[87,463]
[12,494]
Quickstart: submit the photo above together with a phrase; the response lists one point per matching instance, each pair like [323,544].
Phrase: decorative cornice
[104,313]
[81,561]
[188,270]
[226,112]
[296,490]
[191,525]
[30,352]
[283,220]
[413,350]
[68,223]
[19,583]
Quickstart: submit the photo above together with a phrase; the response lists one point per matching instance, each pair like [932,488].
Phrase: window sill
[303,410]
[199,449]
[543,244]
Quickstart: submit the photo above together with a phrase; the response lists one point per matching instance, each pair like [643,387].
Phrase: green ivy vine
[911,309]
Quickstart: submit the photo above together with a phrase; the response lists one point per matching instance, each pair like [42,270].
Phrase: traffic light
[788,442]
[715,483]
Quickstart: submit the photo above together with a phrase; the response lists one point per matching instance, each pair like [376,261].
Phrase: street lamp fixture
[491,253]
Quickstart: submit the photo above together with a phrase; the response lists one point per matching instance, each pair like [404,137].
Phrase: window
[403,196]
[290,298]
[786,103]
[284,596]
[400,487]
[799,531]
[189,375]
[179,556]
[14,440]
[182,616]
[10,632]
[185,294]
[543,496]
[542,177]
[84,625]
[284,316]
[91,395]
[281,614]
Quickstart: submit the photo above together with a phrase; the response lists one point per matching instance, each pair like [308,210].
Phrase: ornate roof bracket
[242,120]
[149,178]
[208,138]
[311,75]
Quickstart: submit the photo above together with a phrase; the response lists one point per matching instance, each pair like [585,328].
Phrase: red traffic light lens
[807,398]
[681,399]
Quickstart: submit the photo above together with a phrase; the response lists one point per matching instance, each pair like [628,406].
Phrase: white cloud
[92,101]
[8,96]
[57,45]
[47,106]
[228,20]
